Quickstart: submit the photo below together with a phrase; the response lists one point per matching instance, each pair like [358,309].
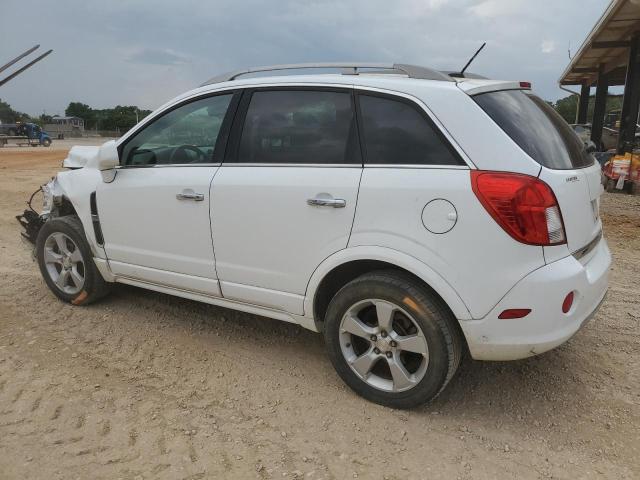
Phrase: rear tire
[403,347]
[66,262]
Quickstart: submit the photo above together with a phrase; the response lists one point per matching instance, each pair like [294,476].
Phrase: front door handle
[327,202]
[189,194]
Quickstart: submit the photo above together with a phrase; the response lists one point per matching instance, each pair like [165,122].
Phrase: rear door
[285,197]
[566,167]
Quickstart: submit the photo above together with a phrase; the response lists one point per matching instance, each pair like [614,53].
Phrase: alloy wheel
[384,345]
[64,263]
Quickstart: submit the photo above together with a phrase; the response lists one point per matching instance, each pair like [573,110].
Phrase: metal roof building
[610,56]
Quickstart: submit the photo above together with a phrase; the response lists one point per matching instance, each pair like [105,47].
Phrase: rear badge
[572,179]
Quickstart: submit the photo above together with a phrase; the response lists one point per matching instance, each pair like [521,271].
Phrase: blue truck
[23,134]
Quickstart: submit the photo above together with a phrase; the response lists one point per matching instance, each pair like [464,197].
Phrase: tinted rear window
[395,132]
[537,128]
[299,126]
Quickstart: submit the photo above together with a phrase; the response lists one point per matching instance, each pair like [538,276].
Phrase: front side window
[395,132]
[187,134]
[299,126]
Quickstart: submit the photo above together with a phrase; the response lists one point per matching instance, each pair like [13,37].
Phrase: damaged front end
[30,219]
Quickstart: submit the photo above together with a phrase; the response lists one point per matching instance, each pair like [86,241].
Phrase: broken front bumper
[31,222]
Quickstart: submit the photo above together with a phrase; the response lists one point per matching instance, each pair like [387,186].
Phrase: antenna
[472,59]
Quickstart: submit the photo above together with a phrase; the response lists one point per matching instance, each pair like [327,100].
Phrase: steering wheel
[182,149]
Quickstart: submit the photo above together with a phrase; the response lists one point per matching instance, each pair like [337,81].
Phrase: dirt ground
[144,385]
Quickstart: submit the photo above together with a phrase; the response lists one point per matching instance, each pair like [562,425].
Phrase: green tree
[120,118]
[42,120]
[9,115]
[568,106]
[82,110]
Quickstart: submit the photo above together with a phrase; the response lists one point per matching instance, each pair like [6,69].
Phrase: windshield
[537,128]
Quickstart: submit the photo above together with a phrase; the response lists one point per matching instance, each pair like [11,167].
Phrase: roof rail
[348,68]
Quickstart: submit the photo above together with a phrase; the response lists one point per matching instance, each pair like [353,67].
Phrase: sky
[145,52]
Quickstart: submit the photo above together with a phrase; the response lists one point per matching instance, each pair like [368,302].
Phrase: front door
[155,213]
[285,197]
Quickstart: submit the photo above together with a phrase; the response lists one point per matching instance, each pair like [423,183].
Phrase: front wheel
[392,340]
[66,262]
[46,142]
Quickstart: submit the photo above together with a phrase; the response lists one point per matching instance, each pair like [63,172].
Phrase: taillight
[524,206]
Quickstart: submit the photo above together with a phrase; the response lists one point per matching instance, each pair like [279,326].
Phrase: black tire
[94,286]
[610,185]
[46,142]
[435,320]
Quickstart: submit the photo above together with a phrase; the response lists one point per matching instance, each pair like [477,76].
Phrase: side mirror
[108,156]
[591,147]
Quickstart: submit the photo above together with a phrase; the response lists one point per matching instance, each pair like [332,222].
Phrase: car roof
[393,82]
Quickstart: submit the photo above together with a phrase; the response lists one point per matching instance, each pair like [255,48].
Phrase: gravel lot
[144,385]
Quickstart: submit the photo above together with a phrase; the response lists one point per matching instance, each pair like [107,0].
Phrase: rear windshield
[537,128]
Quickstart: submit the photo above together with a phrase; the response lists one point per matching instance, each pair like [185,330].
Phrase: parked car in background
[609,136]
[408,215]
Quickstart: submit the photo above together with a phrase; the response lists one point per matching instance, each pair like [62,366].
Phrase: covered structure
[610,56]
[62,127]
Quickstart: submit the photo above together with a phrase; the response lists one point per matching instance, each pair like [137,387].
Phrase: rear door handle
[327,202]
[189,194]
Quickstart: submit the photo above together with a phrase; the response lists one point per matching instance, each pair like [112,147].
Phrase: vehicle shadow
[505,391]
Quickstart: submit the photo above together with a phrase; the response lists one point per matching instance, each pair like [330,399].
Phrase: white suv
[408,214]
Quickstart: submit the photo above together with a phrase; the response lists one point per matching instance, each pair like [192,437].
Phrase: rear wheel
[66,262]
[392,340]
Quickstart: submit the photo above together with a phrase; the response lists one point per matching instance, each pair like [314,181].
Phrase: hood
[78,156]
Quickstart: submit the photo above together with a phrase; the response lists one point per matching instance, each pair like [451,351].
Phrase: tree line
[567,107]
[120,118]
[9,115]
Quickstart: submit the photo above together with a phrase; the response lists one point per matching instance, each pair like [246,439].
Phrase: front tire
[392,340]
[46,142]
[66,262]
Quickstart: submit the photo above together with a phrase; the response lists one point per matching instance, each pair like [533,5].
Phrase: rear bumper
[543,291]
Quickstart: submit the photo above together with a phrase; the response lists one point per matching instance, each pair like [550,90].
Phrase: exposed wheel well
[65,207]
[343,274]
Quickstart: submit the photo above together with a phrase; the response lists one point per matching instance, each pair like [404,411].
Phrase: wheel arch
[75,188]
[345,265]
